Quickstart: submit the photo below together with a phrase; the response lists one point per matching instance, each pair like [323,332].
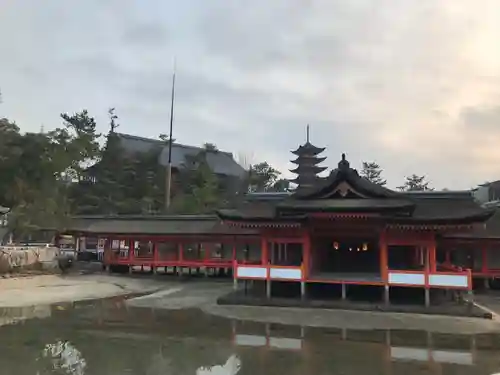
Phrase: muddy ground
[171,293]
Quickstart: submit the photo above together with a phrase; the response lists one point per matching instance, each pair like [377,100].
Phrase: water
[107,338]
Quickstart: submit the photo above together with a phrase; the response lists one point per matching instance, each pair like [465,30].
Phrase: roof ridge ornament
[343,164]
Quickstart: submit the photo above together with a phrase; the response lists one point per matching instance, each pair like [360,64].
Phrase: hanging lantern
[336,245]
[365,246]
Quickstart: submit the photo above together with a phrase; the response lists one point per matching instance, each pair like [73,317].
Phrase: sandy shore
[204,295]
[165,293]
[48,289]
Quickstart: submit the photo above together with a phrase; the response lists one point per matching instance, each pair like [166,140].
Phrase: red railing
[457,271]
[268,268]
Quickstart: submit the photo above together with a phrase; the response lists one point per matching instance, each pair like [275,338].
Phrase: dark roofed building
[346,192]
[221,162]
[341,229]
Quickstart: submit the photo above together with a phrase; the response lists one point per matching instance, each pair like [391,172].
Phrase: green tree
[210,147]
[373,173]
[281,185]
[199,191]
[415,183]
[262,177]
[31,180]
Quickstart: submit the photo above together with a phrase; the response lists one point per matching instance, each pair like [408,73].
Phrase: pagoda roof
[308,159]
[313,169]
[345,191]
[308,149]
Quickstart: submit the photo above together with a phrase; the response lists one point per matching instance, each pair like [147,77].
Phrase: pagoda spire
[307,161]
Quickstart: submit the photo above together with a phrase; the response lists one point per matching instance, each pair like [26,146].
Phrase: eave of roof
[346,205]
[167,225]
[439,210]
[490,229]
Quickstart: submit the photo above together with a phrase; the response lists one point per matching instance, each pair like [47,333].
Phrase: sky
[413,85]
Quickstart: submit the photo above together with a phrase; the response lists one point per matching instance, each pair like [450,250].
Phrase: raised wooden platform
[346,278]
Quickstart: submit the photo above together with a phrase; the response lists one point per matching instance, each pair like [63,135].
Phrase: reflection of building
[3,223]
[341,230]
[16,314]
[65,357]
[231,367]
[392,351]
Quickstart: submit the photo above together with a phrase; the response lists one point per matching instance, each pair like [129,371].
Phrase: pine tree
[373,173]
[415,183]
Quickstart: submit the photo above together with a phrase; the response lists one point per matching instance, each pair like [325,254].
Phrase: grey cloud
[145,36]
[387,81]
[485,120]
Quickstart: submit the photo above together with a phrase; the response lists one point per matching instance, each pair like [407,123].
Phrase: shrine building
[340,229]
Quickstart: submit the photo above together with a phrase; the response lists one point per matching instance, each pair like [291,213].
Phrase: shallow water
[108,338]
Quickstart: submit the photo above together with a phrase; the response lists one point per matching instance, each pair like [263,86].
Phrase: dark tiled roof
[445,210]
[221,162]
[344,173]
[488,230]
[154,225]
[448,207]
[426,210]
[346,205]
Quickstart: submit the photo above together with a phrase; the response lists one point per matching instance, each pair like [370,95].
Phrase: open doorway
[346,259]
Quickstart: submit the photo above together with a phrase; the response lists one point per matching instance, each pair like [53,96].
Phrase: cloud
[414,85]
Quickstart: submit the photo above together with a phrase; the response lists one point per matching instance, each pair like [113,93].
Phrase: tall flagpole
[168,182]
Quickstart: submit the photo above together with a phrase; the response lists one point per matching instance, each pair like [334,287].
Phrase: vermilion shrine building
[341,229]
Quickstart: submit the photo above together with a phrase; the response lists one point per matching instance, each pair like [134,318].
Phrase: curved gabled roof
[345,191]
[345,174]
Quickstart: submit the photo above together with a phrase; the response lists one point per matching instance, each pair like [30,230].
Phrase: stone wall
[18,258]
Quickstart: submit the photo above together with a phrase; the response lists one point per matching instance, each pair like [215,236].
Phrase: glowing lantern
[336,245]
[365,246]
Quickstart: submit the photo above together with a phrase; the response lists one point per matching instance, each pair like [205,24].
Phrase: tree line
[373,173]
[46,177]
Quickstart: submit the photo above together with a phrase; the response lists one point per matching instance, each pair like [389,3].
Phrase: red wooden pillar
[156,254]
[384,264]
[130,249]
[383,256]
[306,258]
[155,257]
[484,260]
[432,255]
[207,249]
[181,252]
[264,250]
[447,258]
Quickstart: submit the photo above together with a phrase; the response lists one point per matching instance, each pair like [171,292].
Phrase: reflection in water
[66,357]
[231,367]
[106,338]
[14,315]
[159,365]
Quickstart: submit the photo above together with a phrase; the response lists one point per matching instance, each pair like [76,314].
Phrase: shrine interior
[348,258]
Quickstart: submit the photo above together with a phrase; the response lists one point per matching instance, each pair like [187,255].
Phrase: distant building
[221,162]
[487,192]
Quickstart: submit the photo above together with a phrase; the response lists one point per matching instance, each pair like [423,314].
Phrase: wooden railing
[438,279]
[268,272]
